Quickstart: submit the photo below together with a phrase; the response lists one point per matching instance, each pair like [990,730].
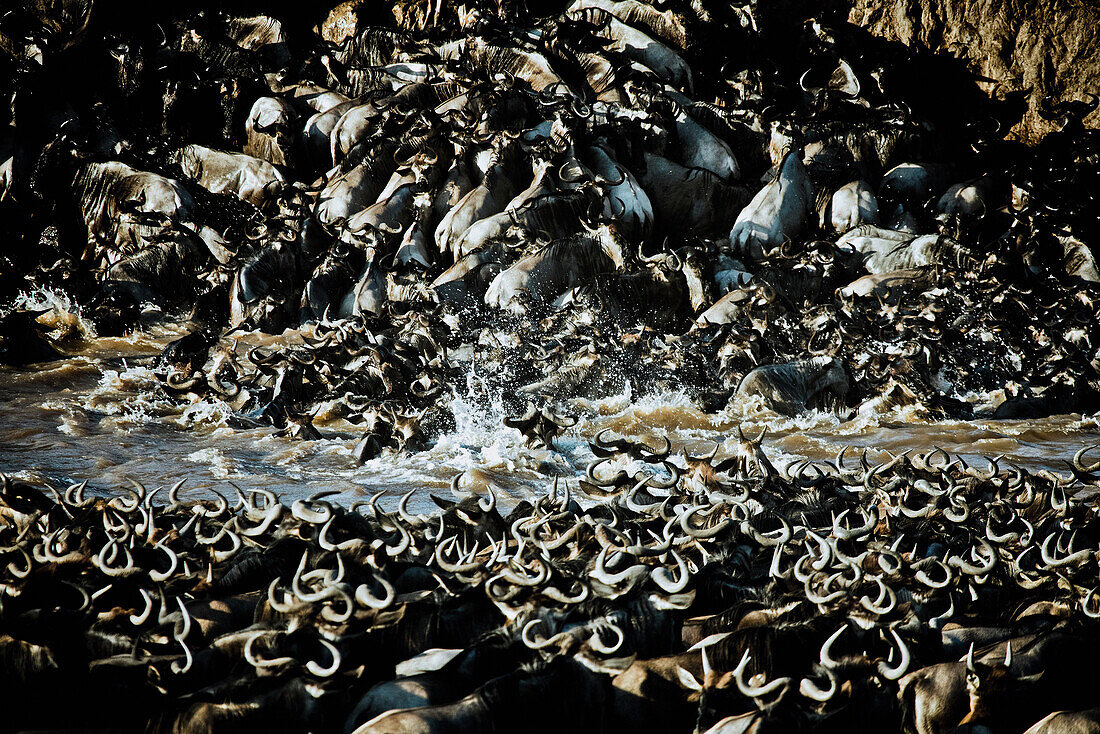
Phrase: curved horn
[699,534]
[314,668]
[535,644]
[1088,606]
[254,660]
[1078,462]
[754,691]
[663,578]
[590,475]
[488,504]
[302,510]
[825,656]
[366,598]
[802,82]
[188,659]
[444,547]
[893,673]
[809,688]
[597,644]
[139,619]
[173,562]
[569,172]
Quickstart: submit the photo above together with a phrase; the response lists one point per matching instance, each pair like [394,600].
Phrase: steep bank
[1049,46]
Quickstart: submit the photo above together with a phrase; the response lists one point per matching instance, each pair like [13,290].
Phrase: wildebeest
[554,269]
[794,387]
[506,703]
[689,199]
[778,212]
[272,128]
[252,179]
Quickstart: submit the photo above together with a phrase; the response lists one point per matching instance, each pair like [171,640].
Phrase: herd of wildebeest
[735,200]
[922,594]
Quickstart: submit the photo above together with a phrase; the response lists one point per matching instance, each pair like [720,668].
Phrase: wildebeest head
[991,688]
[143,206]
[164,263]
[125,64]
[264,289]
[819,382]
[271,129]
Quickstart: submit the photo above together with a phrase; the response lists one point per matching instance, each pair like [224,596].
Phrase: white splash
[220,466]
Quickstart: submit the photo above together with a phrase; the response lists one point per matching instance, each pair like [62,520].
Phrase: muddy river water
[100,415]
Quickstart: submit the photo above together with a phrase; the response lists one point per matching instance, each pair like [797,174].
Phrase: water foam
[206,413]
[40,299]
[131,396]
[221,467]
[63,316]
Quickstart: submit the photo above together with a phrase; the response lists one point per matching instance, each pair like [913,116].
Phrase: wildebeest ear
[687,680]
[391,616]
[708,641]
[609,666]
[672,601]
[443,504]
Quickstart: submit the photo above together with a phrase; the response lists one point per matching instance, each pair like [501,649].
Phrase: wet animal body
[503,178]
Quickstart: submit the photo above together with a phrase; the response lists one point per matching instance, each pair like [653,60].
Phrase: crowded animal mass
[588,366]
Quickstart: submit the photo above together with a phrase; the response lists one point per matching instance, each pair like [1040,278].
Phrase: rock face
[1050,46]
[343,21]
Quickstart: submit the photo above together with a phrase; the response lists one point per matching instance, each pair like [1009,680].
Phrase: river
[99,415]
